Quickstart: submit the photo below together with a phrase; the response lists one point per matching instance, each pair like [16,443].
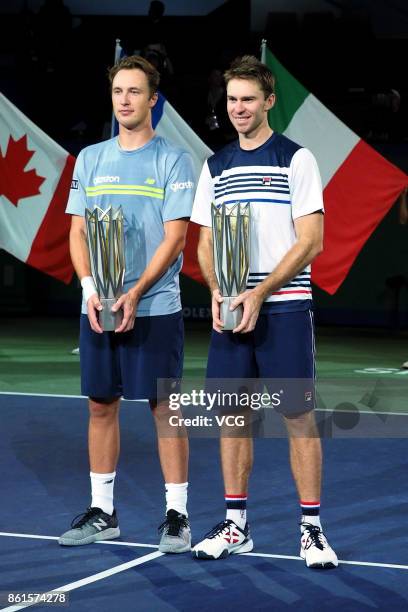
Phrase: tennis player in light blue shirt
[153,182]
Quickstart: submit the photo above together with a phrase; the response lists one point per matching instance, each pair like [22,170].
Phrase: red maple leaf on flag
[15,182]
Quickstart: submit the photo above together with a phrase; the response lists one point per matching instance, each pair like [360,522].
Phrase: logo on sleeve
[74,184]
[180,185]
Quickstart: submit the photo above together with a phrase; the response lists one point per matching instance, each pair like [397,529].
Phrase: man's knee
[101,407]
[302,425]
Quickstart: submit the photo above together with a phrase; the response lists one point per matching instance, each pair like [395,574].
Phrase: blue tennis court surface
[45,483]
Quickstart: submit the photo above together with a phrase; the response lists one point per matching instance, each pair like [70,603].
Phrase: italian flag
[35,177]
[360,185]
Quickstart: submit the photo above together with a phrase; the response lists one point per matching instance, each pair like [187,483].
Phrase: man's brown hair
[249,67]
[140,63]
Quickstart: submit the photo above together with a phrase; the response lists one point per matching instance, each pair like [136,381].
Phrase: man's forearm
[295,260]
[165,254]
[206,262]
[78,247]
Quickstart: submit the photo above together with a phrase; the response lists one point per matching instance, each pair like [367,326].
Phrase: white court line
[364,563]
[94,578]
[249,554]
[109,542]
[42,394]
[372,412]
[57,395]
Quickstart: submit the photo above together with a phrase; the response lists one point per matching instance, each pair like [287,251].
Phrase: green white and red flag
[360,185]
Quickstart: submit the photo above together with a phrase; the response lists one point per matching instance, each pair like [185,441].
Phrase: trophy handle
[109,320]
[231,319]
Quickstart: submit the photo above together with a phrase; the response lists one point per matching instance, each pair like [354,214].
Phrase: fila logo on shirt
[106,179]
[181,185]
[267,181]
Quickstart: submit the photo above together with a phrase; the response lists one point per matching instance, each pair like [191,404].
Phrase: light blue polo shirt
[152,184]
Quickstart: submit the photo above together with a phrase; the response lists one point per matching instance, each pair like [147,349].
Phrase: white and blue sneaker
[315,549]
[225,539]
[91,526]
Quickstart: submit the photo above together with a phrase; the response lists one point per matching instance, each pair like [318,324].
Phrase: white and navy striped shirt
[281,180]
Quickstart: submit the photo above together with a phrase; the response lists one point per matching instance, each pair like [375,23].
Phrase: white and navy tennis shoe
[225,539]
[315,549]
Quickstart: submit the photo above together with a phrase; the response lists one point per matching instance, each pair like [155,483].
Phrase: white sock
[238,516]
[102,491]
[176,497]
[312,520]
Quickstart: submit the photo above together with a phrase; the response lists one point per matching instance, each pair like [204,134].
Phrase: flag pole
[117,55]
[263,51]
[118,50]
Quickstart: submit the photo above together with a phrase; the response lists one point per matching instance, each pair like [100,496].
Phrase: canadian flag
[35,177]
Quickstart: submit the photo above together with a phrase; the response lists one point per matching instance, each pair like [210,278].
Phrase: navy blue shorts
[129,364]
[282,346]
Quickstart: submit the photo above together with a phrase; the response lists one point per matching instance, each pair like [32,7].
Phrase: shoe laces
[84,517]
[315,537]
[174,523]
[219,529]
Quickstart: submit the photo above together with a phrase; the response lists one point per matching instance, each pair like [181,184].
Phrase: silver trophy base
[109,320]
[231,319]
